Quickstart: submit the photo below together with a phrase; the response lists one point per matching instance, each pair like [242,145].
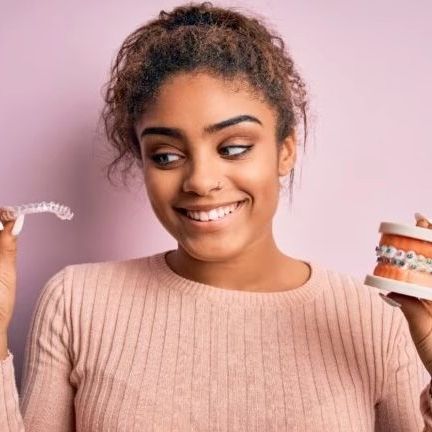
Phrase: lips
[210,226]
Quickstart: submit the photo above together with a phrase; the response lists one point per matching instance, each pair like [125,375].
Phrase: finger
[416,313]
[423,221]
[409,305]
[428,305]
[8,240]
[5,220]
[18,225]
[7,224]
[10,223]
[424,224]
[7,214]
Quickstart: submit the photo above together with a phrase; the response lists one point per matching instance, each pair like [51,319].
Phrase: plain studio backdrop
[369,157]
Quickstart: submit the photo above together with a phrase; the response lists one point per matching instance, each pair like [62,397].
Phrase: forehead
[192,100]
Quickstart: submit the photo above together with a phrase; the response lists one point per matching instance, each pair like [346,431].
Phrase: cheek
[260,179]
[160,199]
[160,188]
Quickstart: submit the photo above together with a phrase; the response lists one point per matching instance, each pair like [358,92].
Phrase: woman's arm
[405,402]
[3,345]
[47,394]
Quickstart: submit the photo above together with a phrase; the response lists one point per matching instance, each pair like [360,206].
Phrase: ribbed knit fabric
[132,346]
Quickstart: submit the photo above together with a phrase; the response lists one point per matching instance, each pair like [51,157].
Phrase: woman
[225,332]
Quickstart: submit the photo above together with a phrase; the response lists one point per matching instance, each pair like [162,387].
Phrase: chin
[216,251]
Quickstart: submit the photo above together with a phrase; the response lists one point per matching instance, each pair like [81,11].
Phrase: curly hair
[199,37]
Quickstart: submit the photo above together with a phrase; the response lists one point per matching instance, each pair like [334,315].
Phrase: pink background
[369,70]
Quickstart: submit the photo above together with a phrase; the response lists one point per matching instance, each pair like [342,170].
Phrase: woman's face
[202,133]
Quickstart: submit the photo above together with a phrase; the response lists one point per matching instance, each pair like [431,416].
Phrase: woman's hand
[418,313]
[8,273]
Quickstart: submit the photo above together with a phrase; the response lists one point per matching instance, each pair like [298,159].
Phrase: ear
[287,154]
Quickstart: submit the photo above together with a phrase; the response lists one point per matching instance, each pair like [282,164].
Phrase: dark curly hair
[199,37]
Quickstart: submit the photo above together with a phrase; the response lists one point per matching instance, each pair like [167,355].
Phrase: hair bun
[192,15]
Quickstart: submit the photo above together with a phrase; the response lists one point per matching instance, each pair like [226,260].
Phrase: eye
[235,150]
[165,159]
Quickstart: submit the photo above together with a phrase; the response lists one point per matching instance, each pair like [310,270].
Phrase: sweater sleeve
[426,408]
[47,394]
[405,404]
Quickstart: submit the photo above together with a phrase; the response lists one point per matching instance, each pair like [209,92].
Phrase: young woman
[225,332]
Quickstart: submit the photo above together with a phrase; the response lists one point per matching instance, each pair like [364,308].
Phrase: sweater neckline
[223,296]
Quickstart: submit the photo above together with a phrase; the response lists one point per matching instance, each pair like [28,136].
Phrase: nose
[201,177]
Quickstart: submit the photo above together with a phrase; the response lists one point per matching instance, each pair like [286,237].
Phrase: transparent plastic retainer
[9,213]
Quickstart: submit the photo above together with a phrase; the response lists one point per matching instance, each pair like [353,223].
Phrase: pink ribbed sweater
[132,346]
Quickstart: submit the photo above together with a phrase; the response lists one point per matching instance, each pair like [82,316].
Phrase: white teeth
[214,214]
[203,216]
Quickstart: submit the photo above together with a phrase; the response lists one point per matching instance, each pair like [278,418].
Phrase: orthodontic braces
[9,213]
[409,260]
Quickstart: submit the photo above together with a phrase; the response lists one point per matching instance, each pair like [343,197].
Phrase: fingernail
[390,301]
[16,229]
[419,216]
[1,226]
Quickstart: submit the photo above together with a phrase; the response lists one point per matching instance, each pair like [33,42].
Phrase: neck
[261,267]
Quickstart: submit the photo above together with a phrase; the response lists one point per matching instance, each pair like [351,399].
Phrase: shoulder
[89,270]
[95,291]
[351,289]
[360,317]
[84,282]
[102,274]
[349,300]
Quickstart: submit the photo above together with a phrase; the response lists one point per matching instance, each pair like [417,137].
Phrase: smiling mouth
[215,214]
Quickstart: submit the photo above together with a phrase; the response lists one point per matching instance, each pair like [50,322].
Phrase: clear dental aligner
[12,212]
[407,260]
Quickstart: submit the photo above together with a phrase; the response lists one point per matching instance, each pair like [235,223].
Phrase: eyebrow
[177,133]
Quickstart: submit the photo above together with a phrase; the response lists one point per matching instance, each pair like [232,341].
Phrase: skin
[240,254]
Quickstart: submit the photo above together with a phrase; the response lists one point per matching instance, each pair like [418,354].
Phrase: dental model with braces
[404,259]
[8,213]
[388,254]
